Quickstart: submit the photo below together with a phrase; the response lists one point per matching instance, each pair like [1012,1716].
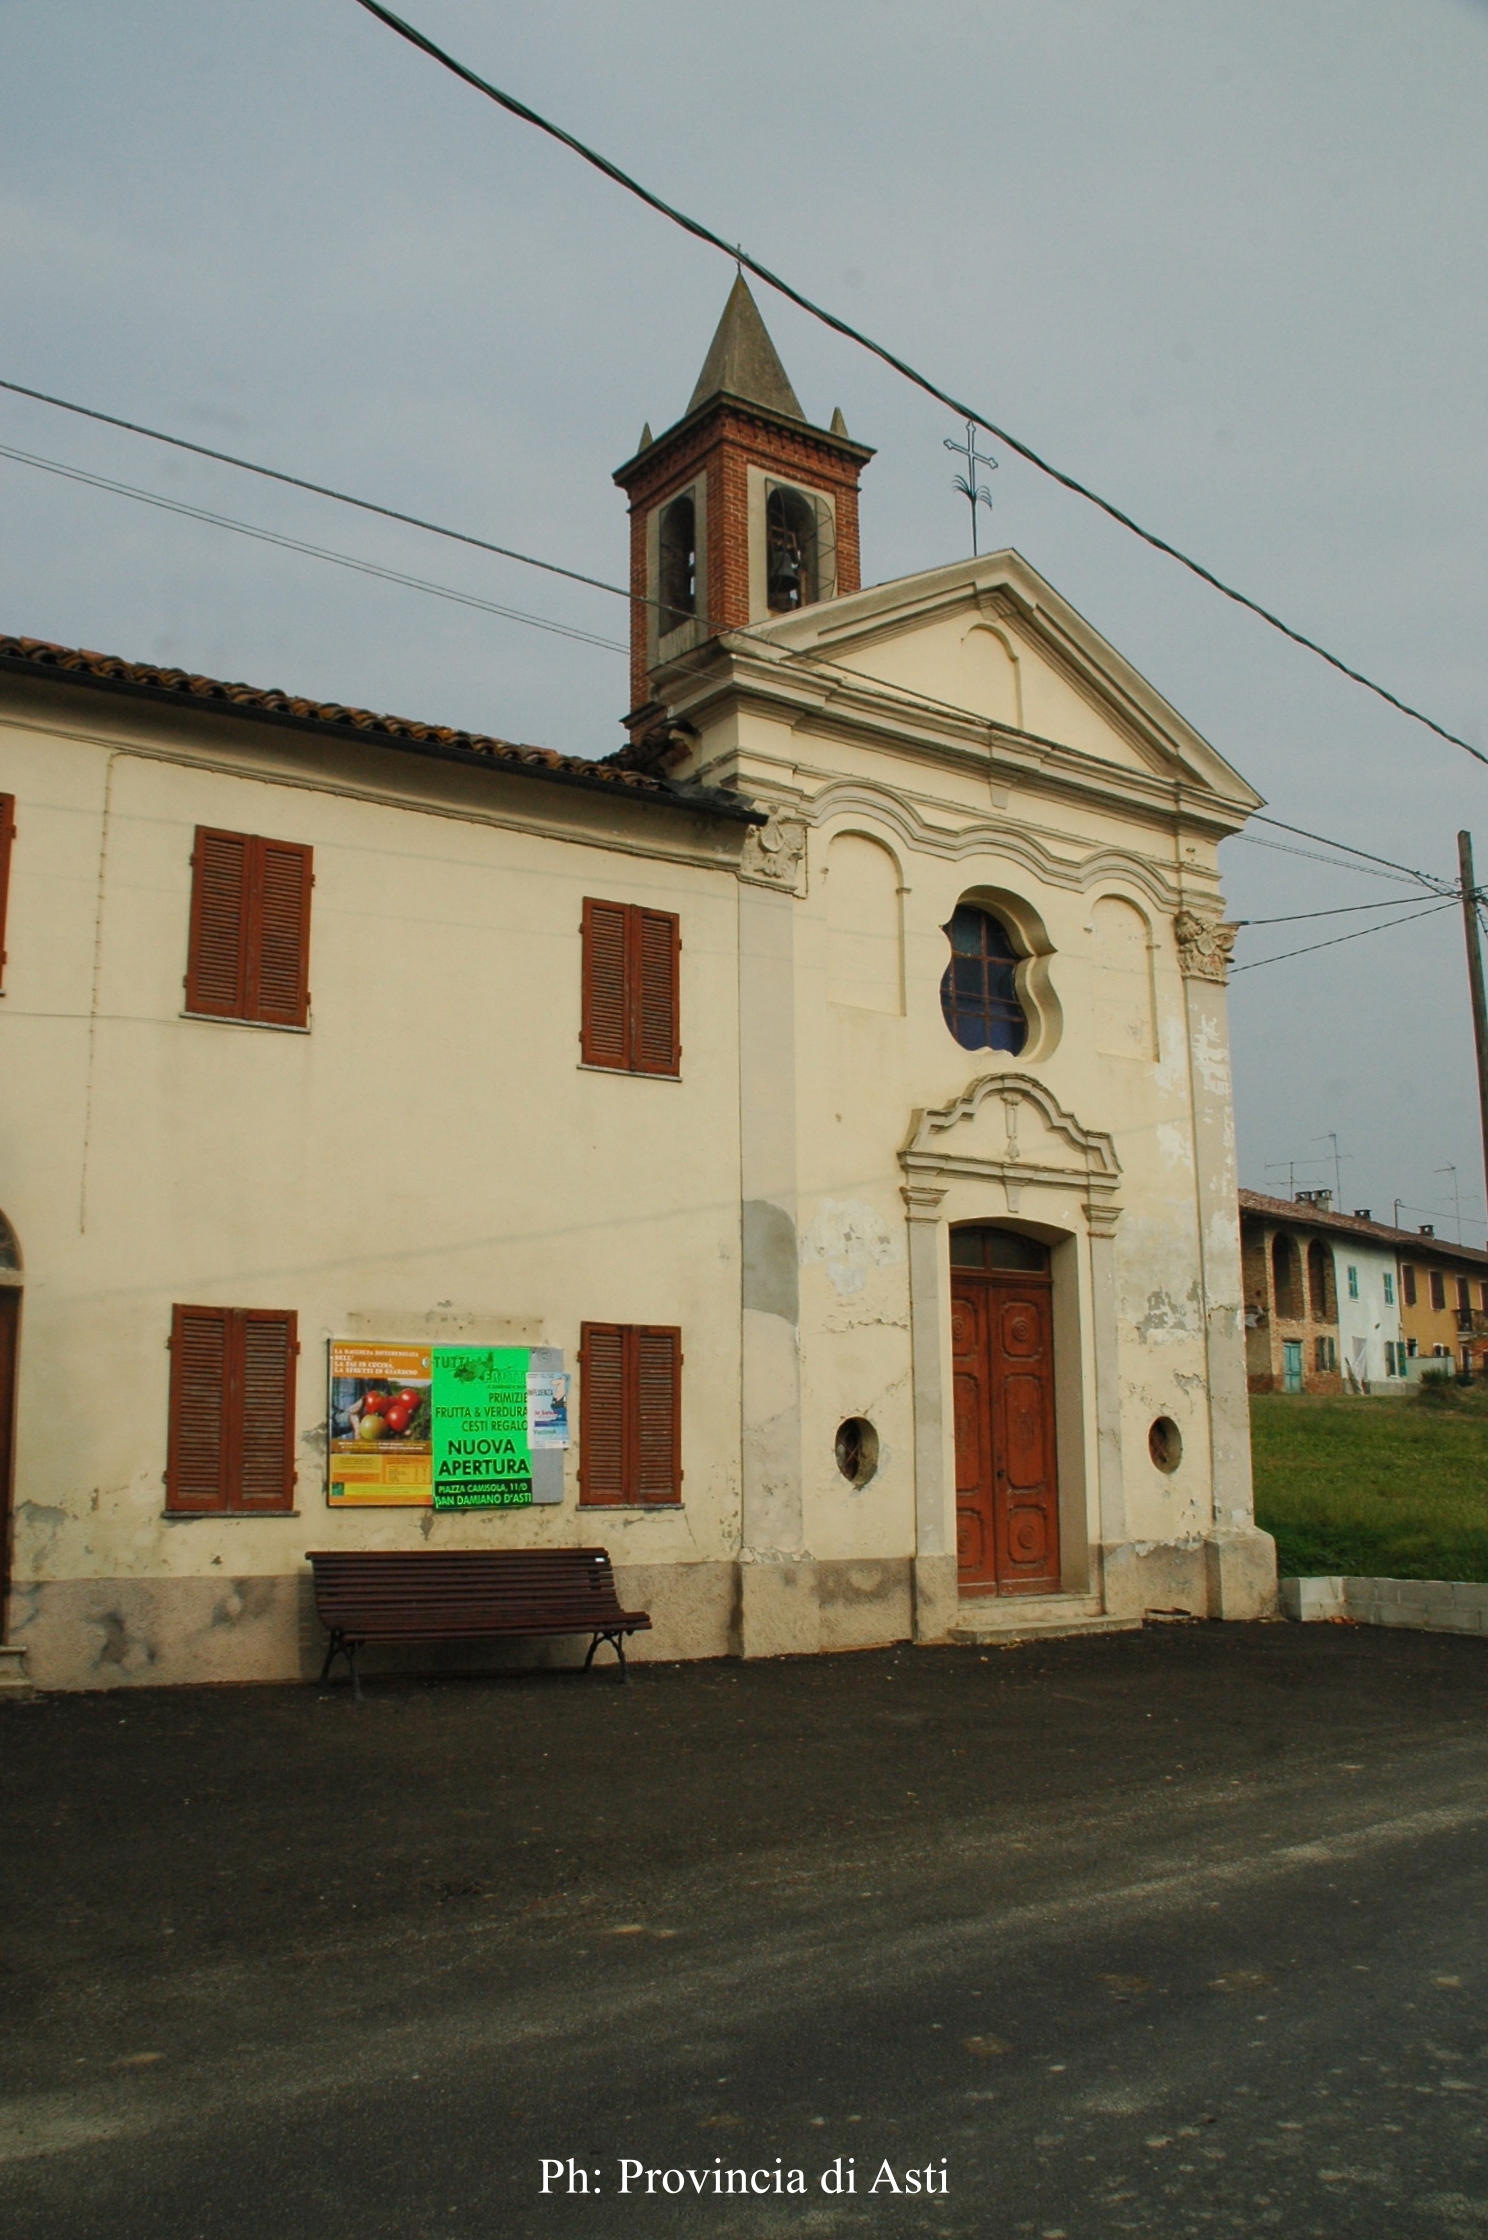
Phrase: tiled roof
[1408,1242]
[72,665]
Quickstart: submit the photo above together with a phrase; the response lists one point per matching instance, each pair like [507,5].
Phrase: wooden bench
[467,1594]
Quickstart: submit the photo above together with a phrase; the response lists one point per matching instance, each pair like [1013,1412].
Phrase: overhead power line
[1387,927]
[1427,878]
[899,365]
[1385,867]
[312,551]
[299,482]
[1341,910]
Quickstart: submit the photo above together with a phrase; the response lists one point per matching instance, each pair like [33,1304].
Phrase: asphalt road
[1172,1933]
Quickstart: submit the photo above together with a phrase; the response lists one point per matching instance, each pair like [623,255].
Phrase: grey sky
[1225,264]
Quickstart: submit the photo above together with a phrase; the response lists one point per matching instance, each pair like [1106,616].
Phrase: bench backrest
[504,1584]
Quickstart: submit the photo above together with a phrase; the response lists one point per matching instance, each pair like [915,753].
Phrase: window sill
[210,1516]
[631,1508]
[262,1026]
[614,1073]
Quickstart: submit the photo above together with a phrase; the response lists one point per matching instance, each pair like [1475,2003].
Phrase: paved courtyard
[1171,1933]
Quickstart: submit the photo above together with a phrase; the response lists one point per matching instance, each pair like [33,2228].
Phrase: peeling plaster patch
[1212,1059]
[247,1599]
[1169,1317]
[849,1238]
[314,1438]
[1173,1143]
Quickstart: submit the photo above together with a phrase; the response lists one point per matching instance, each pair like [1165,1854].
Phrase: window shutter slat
[604,1039]
[602,1413]
[7,844]
[657,1404]
[265,1369]
[281,952]
[216,967]
[656,1046]
[196,1466]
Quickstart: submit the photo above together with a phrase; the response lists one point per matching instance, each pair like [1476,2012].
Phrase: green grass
[1376,1488]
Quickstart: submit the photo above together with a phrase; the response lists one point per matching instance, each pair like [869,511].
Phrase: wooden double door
[1002,1346]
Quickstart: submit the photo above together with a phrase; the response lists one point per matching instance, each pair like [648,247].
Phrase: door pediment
[1007,1127]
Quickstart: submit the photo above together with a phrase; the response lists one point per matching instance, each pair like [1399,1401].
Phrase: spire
[744,361]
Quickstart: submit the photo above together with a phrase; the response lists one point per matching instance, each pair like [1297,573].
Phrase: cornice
[753,680]
[682,431]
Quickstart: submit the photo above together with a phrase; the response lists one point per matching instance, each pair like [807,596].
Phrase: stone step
[1003,1618]
[13,1681]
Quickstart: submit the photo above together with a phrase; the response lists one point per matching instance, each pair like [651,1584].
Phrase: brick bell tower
[740,512]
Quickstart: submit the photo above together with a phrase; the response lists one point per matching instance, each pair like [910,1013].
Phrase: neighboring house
[1444,1300]
[1341,1302]
[833,1085]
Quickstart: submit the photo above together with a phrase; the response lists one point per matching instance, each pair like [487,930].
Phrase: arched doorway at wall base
[1002,1366]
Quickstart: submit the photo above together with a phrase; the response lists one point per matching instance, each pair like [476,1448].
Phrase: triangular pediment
[991,642]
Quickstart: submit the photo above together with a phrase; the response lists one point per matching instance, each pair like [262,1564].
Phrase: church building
[824,1101]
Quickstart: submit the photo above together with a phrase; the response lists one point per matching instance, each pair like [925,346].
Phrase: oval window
[978,992]
[856,1448]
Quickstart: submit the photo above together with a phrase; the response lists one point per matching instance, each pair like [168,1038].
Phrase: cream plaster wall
[429,1155]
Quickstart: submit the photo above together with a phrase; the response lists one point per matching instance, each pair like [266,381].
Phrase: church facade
[830,1092]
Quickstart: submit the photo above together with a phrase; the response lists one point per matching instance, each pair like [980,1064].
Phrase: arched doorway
[1002,1349]
[10,1332]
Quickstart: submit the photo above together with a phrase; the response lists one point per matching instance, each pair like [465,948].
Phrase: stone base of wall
[1229,1574]
[117,1633]
[162,1632]
[1425,1605]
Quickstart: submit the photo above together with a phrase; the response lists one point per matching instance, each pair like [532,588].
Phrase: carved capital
[1204,946]
[775,855]
[921,1201]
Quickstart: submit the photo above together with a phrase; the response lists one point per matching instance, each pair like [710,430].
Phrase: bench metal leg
[617,1643]
[341,1647]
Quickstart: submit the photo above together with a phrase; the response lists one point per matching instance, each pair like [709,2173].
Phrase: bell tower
[740,511]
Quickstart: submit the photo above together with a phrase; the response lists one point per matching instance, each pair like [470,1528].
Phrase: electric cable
[907,693]
[1427,878]
[1312,855]
[1341,910]
[1338,939]
[313,551]
[900,366]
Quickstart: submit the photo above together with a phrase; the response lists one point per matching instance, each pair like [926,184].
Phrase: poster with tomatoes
[380,1435]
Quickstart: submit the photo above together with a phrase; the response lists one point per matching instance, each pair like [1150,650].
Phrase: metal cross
[975,493]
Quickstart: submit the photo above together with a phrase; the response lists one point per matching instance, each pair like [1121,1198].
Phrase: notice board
[449,1427]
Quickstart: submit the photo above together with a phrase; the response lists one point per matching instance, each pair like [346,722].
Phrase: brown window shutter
[602,1413]
[278,990]
[217,958]
[656,1391]
[605,1037]
[655,943]
[7,843]
[196,1463]
[264,1377]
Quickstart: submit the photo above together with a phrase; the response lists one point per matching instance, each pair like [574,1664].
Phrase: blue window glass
[1389,1291]
[1353,1283]
[977,993]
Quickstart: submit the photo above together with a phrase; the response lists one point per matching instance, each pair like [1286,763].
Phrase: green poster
[478,1414]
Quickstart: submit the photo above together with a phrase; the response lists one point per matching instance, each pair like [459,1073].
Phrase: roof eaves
[1313,1217]
[64,665]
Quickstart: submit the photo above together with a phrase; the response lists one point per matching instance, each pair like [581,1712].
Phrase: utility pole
[1475,981]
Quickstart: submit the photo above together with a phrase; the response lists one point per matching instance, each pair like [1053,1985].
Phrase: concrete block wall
[1427,1605]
